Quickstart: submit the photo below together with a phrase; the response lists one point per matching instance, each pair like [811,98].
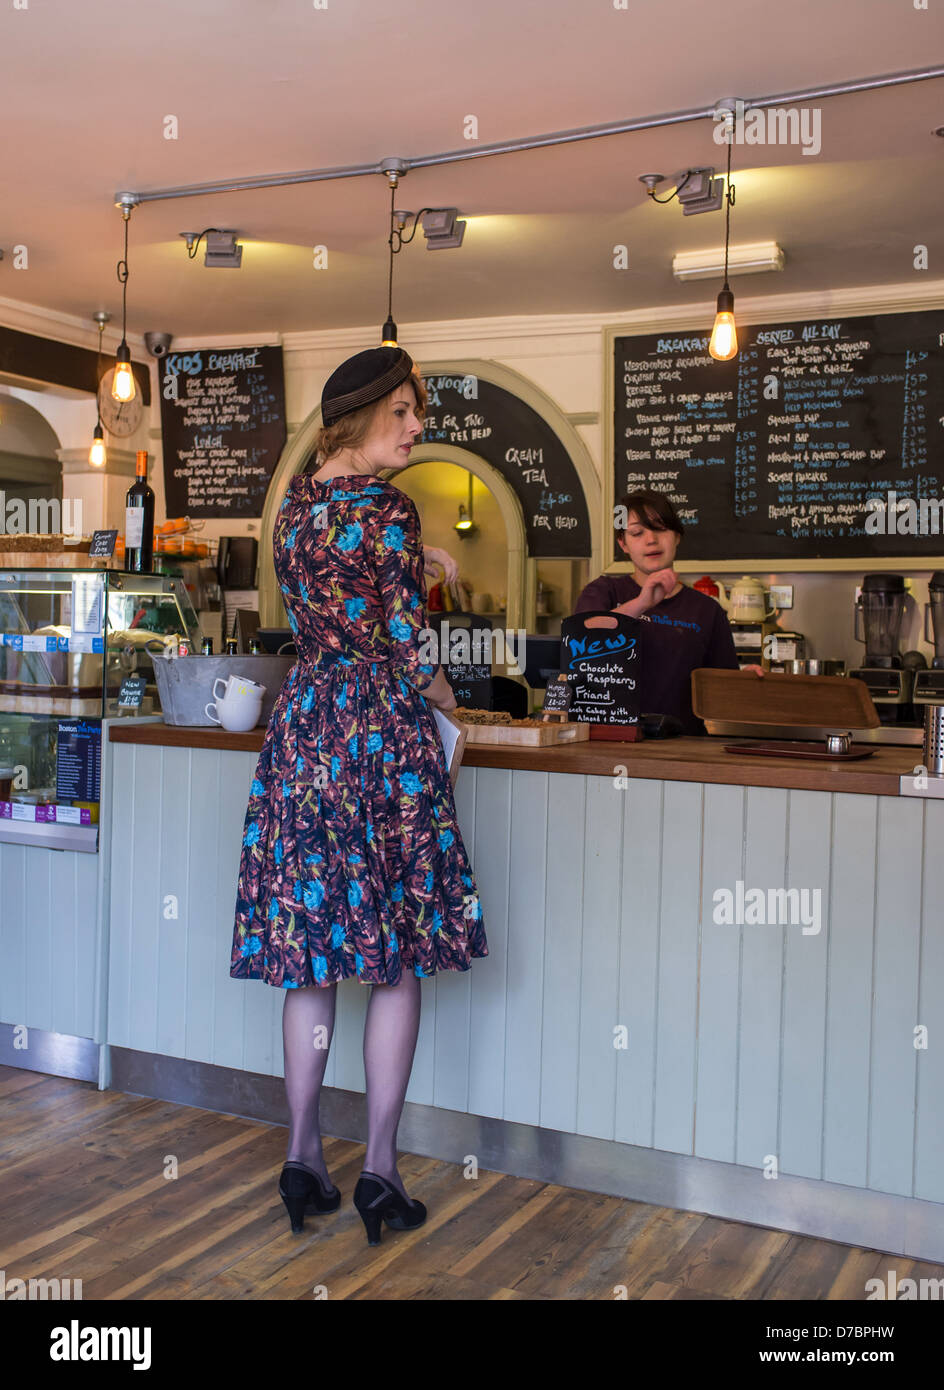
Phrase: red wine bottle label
[134,527]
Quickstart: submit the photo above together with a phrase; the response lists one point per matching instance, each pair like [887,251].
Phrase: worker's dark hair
[652,508]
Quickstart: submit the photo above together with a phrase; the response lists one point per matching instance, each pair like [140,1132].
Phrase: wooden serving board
[530,736]
[50,560]
[741,697]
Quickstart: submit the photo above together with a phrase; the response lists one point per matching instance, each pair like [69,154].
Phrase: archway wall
[521,575]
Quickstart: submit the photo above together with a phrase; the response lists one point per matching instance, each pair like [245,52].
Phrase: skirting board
[56,1054]
[904,1226]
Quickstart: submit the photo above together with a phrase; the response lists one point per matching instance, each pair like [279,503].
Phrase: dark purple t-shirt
[681,634]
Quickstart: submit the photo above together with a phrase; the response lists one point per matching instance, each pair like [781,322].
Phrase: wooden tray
[741,697]
[776,749]
[51,560]
[529,736]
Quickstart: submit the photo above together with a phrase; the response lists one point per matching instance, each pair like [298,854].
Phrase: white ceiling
[264,86]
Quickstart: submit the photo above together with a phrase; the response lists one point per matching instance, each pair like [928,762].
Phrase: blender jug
[934,611]
[881,605]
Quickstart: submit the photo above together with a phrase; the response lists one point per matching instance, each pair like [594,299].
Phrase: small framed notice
[558,697]
[88,594]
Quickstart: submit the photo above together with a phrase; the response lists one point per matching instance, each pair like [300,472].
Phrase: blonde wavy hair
[351,430]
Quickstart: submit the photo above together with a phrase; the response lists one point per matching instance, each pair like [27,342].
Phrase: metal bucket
[185,684]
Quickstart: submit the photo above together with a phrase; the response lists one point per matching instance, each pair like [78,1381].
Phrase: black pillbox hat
[363,378]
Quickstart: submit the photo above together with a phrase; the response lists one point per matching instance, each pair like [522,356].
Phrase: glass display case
[68,639]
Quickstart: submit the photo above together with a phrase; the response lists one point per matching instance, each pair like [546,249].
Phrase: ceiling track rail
[537,142]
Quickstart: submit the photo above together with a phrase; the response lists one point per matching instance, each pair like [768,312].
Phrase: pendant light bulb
[724,342]
[389,334]
[97,456]
[122,384]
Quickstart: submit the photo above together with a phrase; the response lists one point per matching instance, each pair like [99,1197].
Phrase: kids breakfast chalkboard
[775,454]
[490,421]
[603,665]
[223,427]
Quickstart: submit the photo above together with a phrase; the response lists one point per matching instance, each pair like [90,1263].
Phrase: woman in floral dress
[352,864]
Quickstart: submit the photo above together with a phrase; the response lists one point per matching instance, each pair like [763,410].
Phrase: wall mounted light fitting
[222,248]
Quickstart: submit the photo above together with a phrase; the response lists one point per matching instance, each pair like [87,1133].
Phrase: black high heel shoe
[376,1200]
[303,1191]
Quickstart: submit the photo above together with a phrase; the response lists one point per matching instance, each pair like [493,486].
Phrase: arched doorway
[516,570]
[29,467]
[522,567]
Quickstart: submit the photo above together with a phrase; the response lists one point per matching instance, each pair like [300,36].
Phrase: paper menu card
[453,734]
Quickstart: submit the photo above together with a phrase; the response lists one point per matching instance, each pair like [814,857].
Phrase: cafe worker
[352,864]
[685,629]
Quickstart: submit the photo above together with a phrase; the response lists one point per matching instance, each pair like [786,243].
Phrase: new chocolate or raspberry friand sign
[223,427]
[603,665]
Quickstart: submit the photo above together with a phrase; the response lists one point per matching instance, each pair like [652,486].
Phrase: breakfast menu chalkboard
[223,426]
[775,455]
[491,421]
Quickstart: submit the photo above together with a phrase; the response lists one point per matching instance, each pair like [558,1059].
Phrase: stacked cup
[238,706]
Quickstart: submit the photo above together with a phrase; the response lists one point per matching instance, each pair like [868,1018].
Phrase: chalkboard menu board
[223,425]
[465,653]
[603,666]
[774,455]
[492,422]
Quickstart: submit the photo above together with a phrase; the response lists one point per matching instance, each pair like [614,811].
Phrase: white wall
[565,357]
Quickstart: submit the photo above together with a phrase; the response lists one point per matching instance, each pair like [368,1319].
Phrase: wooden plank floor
[83,1195]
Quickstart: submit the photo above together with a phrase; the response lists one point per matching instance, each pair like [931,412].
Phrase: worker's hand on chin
[657,586]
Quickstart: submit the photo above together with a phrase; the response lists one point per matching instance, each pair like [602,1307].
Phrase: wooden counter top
[672,760]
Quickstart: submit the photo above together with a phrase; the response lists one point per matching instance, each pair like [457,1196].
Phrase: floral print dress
[352,864]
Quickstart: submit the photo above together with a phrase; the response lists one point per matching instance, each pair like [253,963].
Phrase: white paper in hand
[453,735]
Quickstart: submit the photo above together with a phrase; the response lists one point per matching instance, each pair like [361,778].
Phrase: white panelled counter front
[659,1016]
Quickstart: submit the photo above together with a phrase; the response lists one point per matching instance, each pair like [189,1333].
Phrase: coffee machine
[929,685]
[879,610]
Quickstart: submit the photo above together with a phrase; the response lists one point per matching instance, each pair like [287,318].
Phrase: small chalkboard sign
[465,654]
[103,545]
[132,692]
[600,654]
[558,695]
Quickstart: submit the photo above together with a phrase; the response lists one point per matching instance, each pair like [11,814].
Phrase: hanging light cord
[122,271]
[729,199]
[98,373]
[396,241]
[394,231]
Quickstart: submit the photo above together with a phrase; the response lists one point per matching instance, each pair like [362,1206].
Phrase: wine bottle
[139,521]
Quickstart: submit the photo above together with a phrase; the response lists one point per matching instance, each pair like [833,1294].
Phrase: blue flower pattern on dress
[363,873]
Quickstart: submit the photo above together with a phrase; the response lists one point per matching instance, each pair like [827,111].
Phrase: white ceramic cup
[239,707]
[240,685]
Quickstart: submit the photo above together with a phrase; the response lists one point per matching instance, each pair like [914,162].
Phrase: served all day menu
[223,426]
[776,454]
